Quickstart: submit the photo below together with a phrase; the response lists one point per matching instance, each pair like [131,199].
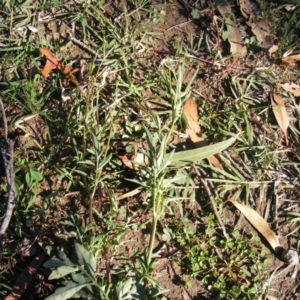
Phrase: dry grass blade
[259,223]
[280,112]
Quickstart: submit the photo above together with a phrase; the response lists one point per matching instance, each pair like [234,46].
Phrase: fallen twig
[26,277]
[7,146]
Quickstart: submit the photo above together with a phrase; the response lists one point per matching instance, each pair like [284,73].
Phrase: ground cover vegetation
[149,149]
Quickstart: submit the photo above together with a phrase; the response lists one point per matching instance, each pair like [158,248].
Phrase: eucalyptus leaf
[182,158]
[66,292]
[61,272]
[86,259]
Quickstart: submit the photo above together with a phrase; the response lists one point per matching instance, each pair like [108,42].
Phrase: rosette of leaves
[78,274]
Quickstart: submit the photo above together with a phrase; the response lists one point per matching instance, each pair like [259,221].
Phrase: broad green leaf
[183,158]
[66,292]
[86,259]
[78,278]
[61,272]
[62,255]
[86,293]
[53,263]
[123,288]
[33,175]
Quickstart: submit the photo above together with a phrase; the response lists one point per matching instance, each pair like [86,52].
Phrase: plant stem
[156,215]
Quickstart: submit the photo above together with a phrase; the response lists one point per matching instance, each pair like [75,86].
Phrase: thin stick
[212,200]
[4,119]
[180,24]
[236,165]
[84,46]
[9,171]
[10,176]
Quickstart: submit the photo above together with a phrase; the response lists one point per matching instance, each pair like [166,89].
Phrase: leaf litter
[260,28]
[279,110]
[237,47]
[190,112]
[292,88]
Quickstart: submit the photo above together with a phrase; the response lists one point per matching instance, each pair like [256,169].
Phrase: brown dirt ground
[167,271]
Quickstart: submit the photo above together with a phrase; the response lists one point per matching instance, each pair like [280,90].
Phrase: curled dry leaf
[280,112]
[53,63]
[258,223]
[234,37]
[190,111]
[292,88]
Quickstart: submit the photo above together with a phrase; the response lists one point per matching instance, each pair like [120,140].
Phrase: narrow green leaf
[66,292]
[183,158]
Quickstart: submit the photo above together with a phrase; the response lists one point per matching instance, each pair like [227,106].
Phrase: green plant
[224,265]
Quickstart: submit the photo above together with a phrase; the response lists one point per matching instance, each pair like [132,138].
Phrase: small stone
[290,256]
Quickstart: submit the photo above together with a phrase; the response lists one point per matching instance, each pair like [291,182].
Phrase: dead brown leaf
[258,222]
[260,28]
[237,47]
[292,88]
[280,112]
[53,63]
[289,61]
[273,49]
[190,111]
[245,8]
[262,32]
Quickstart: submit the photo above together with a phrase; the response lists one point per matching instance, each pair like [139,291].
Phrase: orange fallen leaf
[53,63]
[289,61]
[280,112]
[190,111]
[292,88]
